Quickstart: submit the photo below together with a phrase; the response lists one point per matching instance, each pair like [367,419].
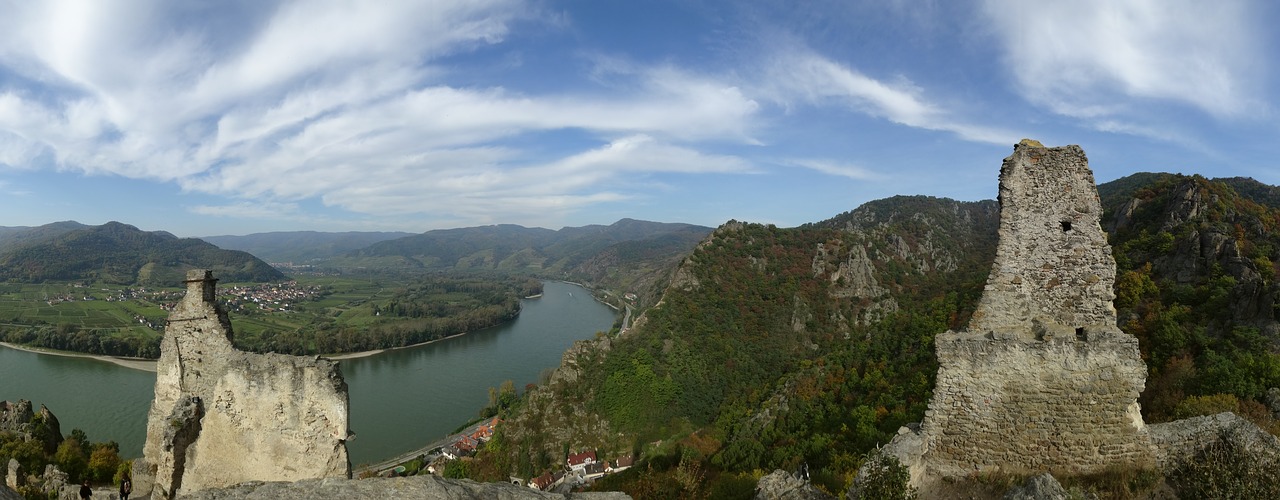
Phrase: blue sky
[207,118]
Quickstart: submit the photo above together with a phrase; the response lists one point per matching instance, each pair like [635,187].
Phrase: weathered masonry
[222,416]
[1042,379]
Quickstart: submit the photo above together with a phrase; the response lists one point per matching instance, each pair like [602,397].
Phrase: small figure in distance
[126,487]
[85,491]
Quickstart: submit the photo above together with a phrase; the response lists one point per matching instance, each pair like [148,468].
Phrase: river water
[399,400]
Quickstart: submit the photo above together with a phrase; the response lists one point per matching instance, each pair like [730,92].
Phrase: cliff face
[221,416]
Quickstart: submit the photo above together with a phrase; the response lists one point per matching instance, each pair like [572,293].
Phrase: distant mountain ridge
[630,254]
[301,246]
[118,253]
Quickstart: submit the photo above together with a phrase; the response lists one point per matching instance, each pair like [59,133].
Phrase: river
[399,399]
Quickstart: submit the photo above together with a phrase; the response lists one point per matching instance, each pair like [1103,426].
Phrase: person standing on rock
[85,491]
[126,487]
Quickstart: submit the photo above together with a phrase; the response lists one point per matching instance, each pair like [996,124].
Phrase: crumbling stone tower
[1042,379]
[221,416]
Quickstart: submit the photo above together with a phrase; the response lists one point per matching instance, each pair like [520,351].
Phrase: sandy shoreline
[146,365]
[365,354]
[150,364]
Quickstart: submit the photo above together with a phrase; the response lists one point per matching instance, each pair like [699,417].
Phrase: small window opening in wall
[1080,334]
[1066,226]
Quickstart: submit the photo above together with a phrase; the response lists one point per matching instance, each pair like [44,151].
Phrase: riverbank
[149,365]
[365,354]
[146,365]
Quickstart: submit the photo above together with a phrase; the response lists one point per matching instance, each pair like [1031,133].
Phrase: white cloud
[834,168]
[1089,58]
[798,73]
[339,101]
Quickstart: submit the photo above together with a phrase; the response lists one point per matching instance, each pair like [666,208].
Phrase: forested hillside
[773,348]
[1197,286]
[120,254]
[626,256]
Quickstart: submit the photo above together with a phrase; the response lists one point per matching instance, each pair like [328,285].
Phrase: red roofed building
[542,482]
[581,460]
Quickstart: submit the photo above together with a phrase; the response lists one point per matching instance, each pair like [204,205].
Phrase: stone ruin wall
[1022,406]
[222,416]
[1053,266]
[1043,379]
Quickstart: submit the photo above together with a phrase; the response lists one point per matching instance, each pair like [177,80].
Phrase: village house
[580,461]
[546,481]
[620,464]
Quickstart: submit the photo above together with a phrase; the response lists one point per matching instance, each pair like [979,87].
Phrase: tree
[886,479]
[103,461]
[71,459]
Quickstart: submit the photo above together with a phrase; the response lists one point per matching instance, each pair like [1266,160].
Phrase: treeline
[327,337]
[427,308]
[432,308]
[69,337]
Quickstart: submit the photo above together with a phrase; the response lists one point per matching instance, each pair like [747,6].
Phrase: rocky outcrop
[18,418]
[14,476]
[1183,440]
[779,485]
[382,488]
[1042,379]
[1039,487]
[222,416]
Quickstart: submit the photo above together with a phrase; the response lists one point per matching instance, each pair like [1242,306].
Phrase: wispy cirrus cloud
[797,74]
[338,101]
[838,169]
[1092,59]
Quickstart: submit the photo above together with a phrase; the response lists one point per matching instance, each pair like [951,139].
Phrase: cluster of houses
[580,468]
[268,297]
[110,295]
[465,445]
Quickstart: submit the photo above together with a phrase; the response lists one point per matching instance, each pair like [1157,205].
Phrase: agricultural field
[309,315]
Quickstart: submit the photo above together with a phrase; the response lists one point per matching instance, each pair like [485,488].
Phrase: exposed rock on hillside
[221,416]
[779,485]
[1182,440]
[910,234]
[19,419]
[1039,487]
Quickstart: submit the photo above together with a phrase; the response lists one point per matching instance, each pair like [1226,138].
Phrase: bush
[885,479]
[1226,469]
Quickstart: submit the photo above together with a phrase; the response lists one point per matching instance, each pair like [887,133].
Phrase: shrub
[885,479]
[1226,469]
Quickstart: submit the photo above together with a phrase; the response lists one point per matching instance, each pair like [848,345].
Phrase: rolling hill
[118,253]
[300,247]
